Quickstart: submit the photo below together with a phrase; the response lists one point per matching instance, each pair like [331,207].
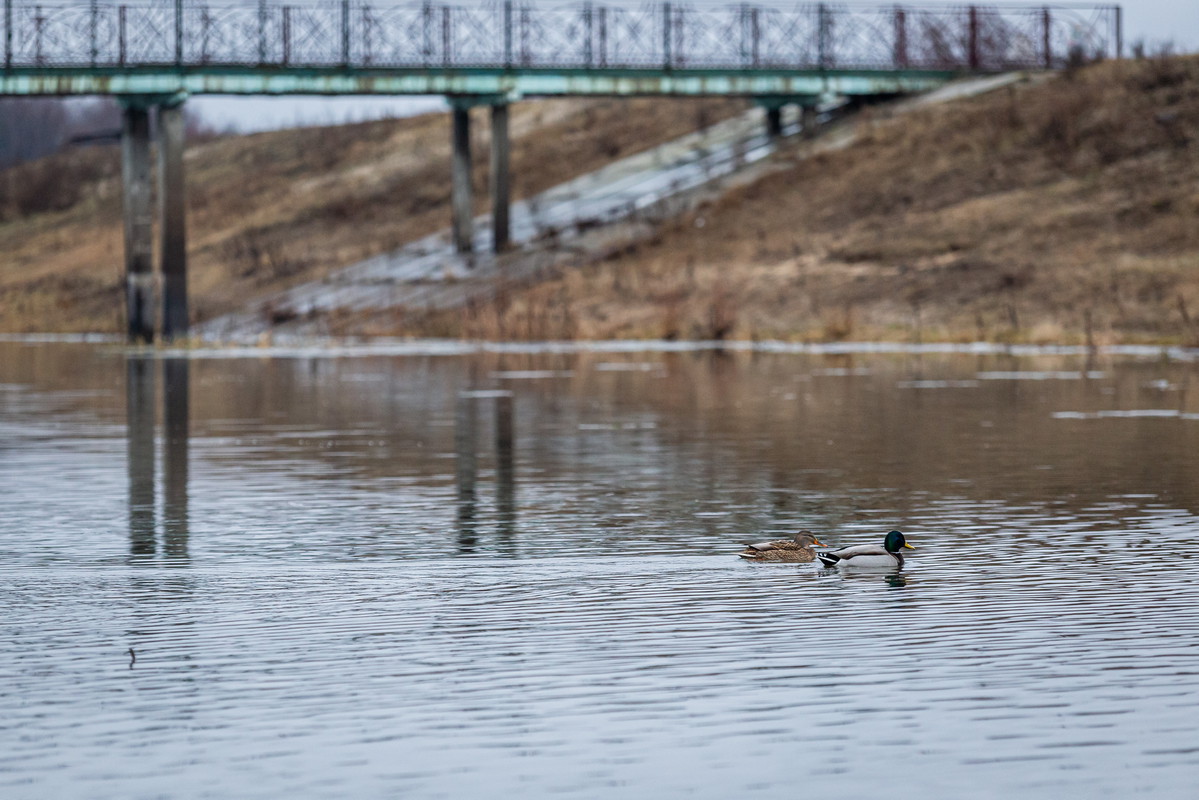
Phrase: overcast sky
[1155,22]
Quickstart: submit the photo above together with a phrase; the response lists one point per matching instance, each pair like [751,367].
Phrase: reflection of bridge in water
[146,438]
[153,56]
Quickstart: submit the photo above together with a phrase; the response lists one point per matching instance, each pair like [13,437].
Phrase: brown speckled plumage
[796,550]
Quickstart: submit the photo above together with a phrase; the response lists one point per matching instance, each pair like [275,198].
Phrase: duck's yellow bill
[908,546]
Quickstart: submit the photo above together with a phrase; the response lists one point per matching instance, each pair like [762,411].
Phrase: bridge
[152,56]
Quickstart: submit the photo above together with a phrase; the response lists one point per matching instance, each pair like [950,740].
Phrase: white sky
[1154,22]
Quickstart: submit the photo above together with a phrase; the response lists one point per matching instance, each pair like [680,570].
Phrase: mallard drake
[797,548]
[869,555]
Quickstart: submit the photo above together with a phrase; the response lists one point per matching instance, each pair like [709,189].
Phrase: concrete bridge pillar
[807,121]
[172,221]
[774,121]
[460,190]
[500,190]
[138,195]
[136,198]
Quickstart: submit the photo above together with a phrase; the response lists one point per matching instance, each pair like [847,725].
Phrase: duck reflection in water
[140,418]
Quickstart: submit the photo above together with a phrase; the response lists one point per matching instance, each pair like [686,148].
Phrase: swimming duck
[869,555]
[797,548]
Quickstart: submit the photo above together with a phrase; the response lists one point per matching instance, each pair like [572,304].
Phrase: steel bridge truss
[345,34]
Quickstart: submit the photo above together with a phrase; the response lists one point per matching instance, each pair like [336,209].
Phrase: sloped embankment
[1061,210]
[272,210]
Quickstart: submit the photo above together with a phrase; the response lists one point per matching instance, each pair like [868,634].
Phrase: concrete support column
[500,191]
[172,222]
[807,121]
[460,193]
[139,246]
[774,121]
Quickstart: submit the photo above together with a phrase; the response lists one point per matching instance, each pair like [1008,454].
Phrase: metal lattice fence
[580,35]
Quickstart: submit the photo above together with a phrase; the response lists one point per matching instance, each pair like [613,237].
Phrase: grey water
[433,572]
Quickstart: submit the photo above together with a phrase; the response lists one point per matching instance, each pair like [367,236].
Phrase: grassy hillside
[1062,210]
[270,210]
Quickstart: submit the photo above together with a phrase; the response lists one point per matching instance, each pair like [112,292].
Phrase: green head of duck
[895,541]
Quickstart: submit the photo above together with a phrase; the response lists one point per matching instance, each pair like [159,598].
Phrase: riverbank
[269,211]
[1061,210]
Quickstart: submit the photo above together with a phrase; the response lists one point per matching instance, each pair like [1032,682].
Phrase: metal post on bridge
[94,25]
[666,35]
[587,35]
[7,34]
[261,31]
[178,32]
[1119,31]
[603,36]
[901,37]
[975,60]
[345,33]
[824,29]
[1046,46]
[508,34]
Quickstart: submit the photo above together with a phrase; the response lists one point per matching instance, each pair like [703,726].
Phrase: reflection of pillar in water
[465,437]
[139,433]
[175,456]
[505,472]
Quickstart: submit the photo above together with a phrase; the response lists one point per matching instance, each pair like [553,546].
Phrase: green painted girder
[512,84]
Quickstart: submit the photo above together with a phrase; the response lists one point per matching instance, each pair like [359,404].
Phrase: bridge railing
[577,35]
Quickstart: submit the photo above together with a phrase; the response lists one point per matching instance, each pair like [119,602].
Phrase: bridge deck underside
[482,83]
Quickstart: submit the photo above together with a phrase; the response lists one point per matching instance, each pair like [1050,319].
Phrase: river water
[427,570]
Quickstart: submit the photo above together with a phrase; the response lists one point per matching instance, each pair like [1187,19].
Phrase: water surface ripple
[440,577]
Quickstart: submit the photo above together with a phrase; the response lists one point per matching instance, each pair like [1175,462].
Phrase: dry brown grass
[271,210]
[1061,211]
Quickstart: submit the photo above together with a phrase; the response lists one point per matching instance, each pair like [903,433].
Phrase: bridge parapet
[510,35]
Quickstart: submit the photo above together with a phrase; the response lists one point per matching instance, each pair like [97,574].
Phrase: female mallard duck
[869,555]
[798,548]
